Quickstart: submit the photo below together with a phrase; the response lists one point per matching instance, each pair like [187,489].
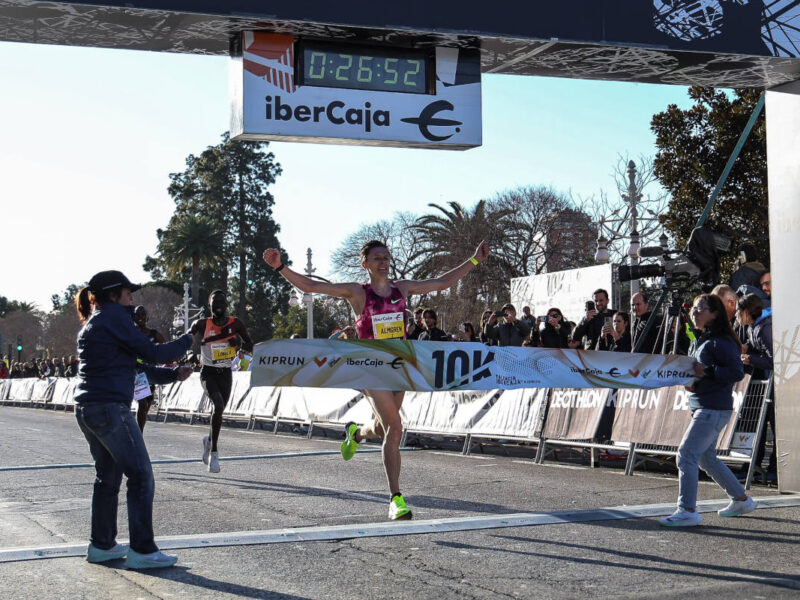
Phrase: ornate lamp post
[185,313]
[626,225]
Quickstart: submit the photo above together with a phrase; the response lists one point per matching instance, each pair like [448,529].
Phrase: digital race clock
[336,91]
[329,65]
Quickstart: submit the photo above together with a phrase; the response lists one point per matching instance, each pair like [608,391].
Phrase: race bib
[388,326]
[141,387]
[222,353]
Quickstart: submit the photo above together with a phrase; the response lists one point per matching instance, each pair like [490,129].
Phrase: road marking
[421,527]
[172,461]
[453,455]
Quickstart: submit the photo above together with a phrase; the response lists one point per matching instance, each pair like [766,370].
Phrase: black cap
[108,280]
[509,305]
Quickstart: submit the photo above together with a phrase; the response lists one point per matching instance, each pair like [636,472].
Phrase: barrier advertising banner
[434,366]
[661,416]
[575,414]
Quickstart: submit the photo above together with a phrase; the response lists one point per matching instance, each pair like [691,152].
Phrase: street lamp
[663,241]
[601,256]
[629,224]
[308,297]
[185,313]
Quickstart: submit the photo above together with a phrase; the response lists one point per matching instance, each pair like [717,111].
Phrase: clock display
[360,68]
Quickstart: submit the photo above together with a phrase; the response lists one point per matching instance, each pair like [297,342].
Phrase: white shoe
[154,560]
[738,507]
[213,464]
[206,448]
[682,518]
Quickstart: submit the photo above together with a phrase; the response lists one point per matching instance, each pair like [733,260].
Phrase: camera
[500,314]
[590,304]
[698,264]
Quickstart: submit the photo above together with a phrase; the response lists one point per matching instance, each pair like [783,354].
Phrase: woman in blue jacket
[718,366]
[108,345]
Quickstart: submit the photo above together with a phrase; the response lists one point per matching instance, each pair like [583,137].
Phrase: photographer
[417,326]
[482,337]
[510,333]
[555,333]
[619,332]
[592,324]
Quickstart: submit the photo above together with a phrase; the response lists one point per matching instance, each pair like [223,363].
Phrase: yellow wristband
[473,260]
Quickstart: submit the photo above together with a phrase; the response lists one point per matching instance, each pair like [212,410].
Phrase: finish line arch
[715,43]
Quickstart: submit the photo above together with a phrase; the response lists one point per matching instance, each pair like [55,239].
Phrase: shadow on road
[617,558]
[183,575]
[419,501]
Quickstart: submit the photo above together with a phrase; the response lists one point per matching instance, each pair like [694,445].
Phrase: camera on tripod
[698,264]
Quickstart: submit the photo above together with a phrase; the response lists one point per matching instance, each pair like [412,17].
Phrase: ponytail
[84,301]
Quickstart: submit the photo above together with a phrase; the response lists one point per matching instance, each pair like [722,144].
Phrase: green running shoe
[349,445]
[398,509]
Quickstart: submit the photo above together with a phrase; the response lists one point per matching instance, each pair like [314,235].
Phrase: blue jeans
[698,449]
[117,446]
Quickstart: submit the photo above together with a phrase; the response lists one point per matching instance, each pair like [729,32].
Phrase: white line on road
[172,461]
[365,530]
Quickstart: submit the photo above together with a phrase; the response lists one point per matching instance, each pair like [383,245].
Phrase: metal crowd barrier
[515,415]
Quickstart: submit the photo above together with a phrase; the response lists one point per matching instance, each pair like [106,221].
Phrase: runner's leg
[387,410]
[217,384]
[141,412]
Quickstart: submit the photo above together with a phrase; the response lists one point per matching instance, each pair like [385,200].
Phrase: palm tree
[451,235]
[194,240]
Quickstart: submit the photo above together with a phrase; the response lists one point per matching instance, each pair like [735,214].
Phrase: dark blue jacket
[722,358]
[759,343]
[108,346]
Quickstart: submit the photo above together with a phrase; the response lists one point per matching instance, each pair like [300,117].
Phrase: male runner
[140,318]
[217,350]
[381,305]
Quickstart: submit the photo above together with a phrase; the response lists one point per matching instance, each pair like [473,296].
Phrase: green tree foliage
[67,297]
[229,185]
[327,316]
[530,230]
[693,148]
[7,306]
[193,240]
[449,236]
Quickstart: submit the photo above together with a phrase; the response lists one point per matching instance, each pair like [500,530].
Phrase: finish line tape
[365,530]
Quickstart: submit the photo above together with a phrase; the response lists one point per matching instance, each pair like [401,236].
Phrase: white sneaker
[682,518]
[206,448]
[738,507]
[154,560]
[213,464]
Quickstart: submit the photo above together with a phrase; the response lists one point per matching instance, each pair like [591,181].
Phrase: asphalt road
[311,487]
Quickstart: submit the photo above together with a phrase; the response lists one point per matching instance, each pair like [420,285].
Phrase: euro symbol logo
[427,119]
[397,363]
[614,372]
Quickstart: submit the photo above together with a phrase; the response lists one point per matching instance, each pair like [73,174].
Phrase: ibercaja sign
[325,91]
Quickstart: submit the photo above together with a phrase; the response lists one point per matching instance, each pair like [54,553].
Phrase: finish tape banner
[431,366]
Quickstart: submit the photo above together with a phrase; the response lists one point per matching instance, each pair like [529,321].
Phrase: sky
[90,136]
